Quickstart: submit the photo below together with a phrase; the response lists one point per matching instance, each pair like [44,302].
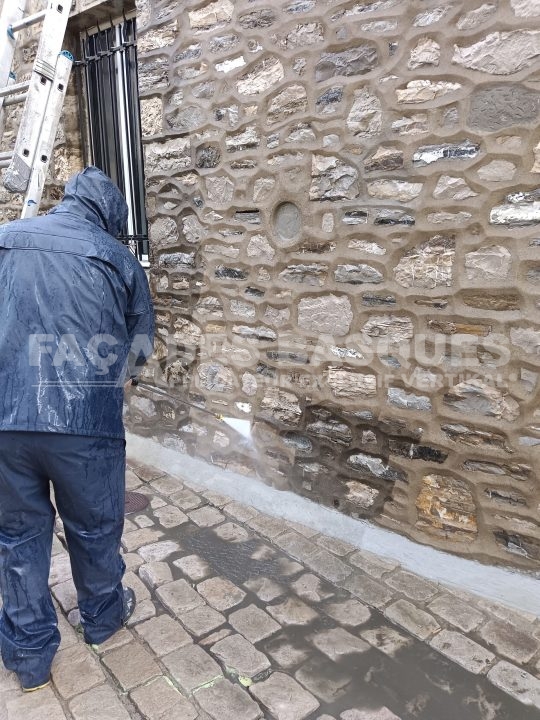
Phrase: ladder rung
[6,156]
[26,22]
[15,100]
[14,89]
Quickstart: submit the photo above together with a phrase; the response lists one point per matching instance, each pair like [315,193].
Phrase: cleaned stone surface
[412,586]
[446,504]
[500,53]
[284,698]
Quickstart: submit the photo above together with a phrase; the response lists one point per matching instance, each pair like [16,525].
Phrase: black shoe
[129,604]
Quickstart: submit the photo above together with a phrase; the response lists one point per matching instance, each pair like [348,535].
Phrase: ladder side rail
[47,139]
[12,12]
[53,30]
[52,36]
[18,173]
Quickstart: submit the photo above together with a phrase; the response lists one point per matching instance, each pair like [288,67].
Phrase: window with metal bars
[110,88]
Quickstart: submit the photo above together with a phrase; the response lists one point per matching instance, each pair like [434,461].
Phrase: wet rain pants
[88,477]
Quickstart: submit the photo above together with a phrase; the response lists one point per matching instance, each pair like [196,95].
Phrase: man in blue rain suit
[76,321]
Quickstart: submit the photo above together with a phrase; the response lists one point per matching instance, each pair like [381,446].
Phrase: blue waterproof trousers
[88,476]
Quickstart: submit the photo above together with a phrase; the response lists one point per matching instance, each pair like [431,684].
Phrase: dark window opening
[110,86]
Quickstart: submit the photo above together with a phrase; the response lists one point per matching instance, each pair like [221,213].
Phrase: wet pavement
[245,616]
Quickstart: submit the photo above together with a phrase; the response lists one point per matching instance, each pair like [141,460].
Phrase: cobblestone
[419,623]
[368,590]
[348,612]
[163,634]
[371,564]
[337,643]
[457,613]
[37,706]
[284,698]
[202,620]
[386,639]
[292,612]
[509,641]
[191,667]
[179,597]
[159,700]
[320,650]
[206,517]
[131,665]
[237,654]
[462,650]
[156,573]
[75,670]
[90,705]
[221,593]
[253,623]
[411,585]
[194,567]
[516,682]
[225,701]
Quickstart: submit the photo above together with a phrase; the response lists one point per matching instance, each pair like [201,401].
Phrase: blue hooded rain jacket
[76,314]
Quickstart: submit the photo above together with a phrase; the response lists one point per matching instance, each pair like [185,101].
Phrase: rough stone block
[419,623]
[75,671]
[191,667]
[90,705]
[163,634]
[284,698]
[221,593]
[253,623]
[463,651]
[239,655]
[225,701]
[159,699]
[131,665]
[179,597]
[516,682]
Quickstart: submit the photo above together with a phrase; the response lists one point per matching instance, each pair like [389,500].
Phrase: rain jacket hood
[92,195]
[77,316]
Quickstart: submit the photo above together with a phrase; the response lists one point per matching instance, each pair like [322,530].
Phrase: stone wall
[68,148]
[345,203]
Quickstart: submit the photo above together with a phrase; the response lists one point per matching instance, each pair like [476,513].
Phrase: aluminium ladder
[26,166]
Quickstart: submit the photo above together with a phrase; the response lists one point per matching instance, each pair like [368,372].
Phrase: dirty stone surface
[243,616]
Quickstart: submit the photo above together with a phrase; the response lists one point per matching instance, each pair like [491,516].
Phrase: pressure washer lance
[242,427]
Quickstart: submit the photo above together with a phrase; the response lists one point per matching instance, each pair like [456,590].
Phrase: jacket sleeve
[139,323]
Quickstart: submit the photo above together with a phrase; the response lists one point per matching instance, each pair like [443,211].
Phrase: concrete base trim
[513,588]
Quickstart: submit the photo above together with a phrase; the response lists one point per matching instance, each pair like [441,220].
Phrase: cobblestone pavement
[243,616]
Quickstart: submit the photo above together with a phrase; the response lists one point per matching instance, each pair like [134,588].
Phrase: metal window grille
[109,76]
